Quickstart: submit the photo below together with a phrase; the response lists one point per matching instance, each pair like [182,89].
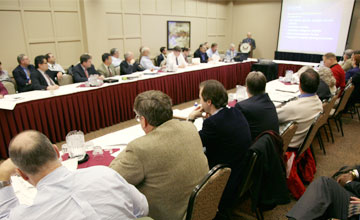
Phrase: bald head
[249,35]
[31,151]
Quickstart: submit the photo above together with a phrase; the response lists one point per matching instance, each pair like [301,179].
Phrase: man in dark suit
[201,53]
[84,69]
[327,198]
[225,134]
[162,56]
[40,78]
[22,73]
[250,41]
[128,65]
[258,109]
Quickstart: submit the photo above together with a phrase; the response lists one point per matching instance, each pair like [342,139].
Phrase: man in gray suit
[168,162]
[106,68]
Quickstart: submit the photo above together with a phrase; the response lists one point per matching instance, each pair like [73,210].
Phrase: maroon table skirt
[92,110]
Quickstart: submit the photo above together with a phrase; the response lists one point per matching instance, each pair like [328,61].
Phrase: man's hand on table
[7,169]
[196,113]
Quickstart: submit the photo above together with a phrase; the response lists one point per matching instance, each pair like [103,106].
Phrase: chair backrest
[288,133]
[117,70]
[70,70]
[10,87]
[205,198]
[310,135]
[344,98]
[66,79]
[327,107]
[248,180]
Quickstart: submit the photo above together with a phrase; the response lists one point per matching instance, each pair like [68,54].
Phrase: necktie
[177,62]
[110,73]
[50,82]
[86,73]
[27,73]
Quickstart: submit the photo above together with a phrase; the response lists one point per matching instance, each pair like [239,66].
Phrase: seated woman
[355,64]
[3,91]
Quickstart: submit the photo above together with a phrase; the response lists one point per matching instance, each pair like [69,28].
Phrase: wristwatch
[5,183]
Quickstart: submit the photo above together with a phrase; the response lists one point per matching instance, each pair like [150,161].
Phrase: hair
[32,157]
[162,49]
[0,63]
[113,51]
[348,53]
[185,49]
[309,81]
[201,45]
[256,83]
[47,56]
[330,55]
[327,76]
[84,58]
[105,56]
[144,49]
[356,52]
[356,58]
[20,58]
[213,90]
[213,45]
[155,106]
[232,45]
[177,49]
[127,54]
[39,60]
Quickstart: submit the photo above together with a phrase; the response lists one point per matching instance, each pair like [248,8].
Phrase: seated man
[3,91]
[106,69]
[347,63]
[175,59]
[186,53]
[339,74]
[355,67]
[115,57]
[231,52]
[304,109]
[162,56]
[323,90]
[40,78]
[129,65]
[257,104]
[201,53]
[145,61]
[167,163]
[326,198]
[90,193]
[53,66]
[225,133]
[22,73]
[84,69]
[213,51]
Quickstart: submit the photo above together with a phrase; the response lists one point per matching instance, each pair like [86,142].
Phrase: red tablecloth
[283,67]
[103,160]
[91,110]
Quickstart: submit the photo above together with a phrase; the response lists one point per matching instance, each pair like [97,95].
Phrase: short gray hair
[349,53]
[127,54]
[113,51]
[144,49]
[154,106]
[327,76]
[232,45]
[20,58]
[256,83]
[32,157]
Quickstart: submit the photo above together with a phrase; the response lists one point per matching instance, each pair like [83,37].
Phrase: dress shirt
[171,59]
[231,54]
[56,67]
[27,71]
[339,75]
[147,63]
[92,193]
[210,53]
[116,61]
[47,78]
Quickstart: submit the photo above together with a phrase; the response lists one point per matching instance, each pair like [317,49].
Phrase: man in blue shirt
[22,73]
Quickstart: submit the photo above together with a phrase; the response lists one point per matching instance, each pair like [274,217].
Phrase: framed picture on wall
[178,34]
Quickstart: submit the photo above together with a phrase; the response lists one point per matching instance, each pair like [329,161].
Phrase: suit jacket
[303,111]
[21,80]
[159,59]
[259,105]
[251,42]
[3,90]
[39,81]
[103,70]
[165,165]
[226,136]
[198,54]
[126,68]
[79,74]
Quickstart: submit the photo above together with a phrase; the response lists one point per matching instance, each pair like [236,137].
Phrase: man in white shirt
[115,56]
[231,52]
[145,61]
[213,51]
[304,109]
[185,54]
[175,59]
[91,193]
[53,66]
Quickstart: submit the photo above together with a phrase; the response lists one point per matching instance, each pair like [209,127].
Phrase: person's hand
[29,82]
[101,77]
[7,168]
[182,66]
[1,96]
[54,87]
[196,113]
[152,70]
[354,200]
[344,178]
[59,75]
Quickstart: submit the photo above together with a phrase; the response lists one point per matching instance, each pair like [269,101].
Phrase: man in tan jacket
[106,68]
[167,163]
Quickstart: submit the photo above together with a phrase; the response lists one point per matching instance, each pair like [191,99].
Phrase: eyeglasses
[137,117]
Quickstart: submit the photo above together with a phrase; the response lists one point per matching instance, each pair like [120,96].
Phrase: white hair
[127,54]
[144,49]
[232,45]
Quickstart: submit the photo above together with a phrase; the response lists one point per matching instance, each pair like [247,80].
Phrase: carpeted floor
[345,151]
